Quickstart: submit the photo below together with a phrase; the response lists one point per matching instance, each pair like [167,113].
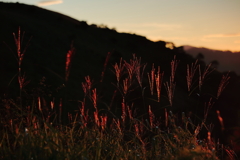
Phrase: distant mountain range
[228,61]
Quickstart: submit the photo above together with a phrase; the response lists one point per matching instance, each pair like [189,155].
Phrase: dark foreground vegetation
[131,123]
[70,90]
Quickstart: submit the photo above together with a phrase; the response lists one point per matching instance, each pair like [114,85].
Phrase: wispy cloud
[149,26]
[48,3]
[222,35]
[214,37]
[162,26]
[183,39]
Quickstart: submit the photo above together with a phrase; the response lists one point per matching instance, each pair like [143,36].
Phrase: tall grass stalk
[223,83]
[170,86]
[20,55]
[105,65]
[69,57]
[204,74]
[191,70]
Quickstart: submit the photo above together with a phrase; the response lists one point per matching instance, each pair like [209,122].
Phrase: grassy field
[36,127]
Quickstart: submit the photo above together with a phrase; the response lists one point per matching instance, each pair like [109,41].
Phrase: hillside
[228,61]
[51,35]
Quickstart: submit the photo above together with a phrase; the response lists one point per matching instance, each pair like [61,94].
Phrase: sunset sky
[212,24]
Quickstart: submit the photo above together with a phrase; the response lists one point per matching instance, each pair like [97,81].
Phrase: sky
[213,24]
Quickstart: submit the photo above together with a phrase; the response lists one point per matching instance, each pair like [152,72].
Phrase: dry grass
[38,133]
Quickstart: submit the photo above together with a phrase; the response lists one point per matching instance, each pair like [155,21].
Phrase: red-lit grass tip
[69,56]
[223,83]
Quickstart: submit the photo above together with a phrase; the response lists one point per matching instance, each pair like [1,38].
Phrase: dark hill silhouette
[52,35]
[228,61]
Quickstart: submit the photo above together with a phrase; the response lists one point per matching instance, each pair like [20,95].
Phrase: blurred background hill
[223,60]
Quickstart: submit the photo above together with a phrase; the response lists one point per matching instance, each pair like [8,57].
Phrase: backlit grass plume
[69,56]
[99,131]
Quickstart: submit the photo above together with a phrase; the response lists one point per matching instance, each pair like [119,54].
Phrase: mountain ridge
[228,61]
[187,47]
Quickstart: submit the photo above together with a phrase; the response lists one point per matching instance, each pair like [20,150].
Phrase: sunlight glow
[48,3]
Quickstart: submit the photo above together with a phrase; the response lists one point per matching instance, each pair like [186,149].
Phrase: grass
[36,129]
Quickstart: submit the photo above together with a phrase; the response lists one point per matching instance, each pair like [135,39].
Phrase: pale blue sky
[202,23]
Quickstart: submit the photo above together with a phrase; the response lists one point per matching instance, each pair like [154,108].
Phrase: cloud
[212,37]
[149,26]
[48,3]
[170,38]
[162,26]
[222,35]
[182,38]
